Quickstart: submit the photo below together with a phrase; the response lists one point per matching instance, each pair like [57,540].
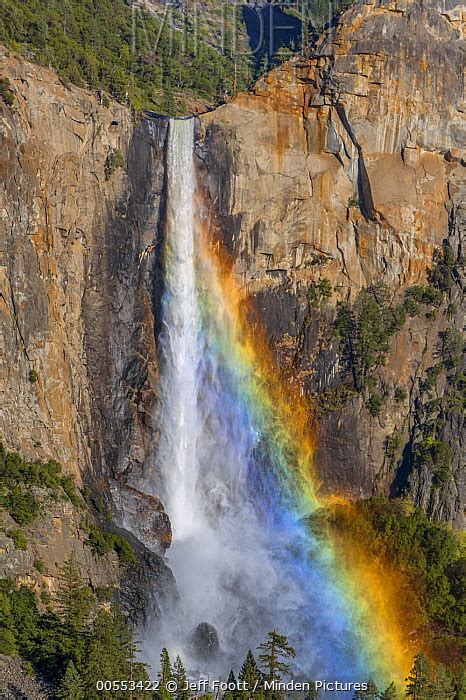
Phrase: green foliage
[33,377]
[165,675]
[393,443]
[429,553]
[421,295]
[91,44]
[111,655]
[6,94]
[104,593]
[451,348]
[400,394]
[442,275]
[19,539]
[365,331]
[22,506]
[74,600]
[73,647]
[113,161]
[71,686]
[17,476]
[331,399]
[436,455]
[389,693]
[250,675]
[371,692]
[8,640]
[39,566]
[104,542]
[180,678]
[275,652]
[318,292]
[419,682]
[353,202]
[375,404]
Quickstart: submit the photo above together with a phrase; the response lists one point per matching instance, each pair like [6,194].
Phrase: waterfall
[179,339]
[243,562]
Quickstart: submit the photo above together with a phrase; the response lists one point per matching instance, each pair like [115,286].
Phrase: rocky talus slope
[345,167]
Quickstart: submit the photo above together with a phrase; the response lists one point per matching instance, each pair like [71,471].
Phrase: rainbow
[361,595]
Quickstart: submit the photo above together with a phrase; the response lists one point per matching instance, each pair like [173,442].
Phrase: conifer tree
[251,677]
[273,660]
[74,598]
[371,692]
[389,693]
[232,691]
[110,655]
[419,682]
[165,675]
[71,686]
[460,685]
[105,658]
[313,693]
[180,677]
[442,685]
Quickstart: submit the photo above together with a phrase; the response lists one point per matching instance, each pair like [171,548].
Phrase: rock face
[348,166]
[204,642]
[77,288]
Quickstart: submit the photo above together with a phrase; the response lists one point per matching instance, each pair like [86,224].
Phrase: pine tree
[107,654]
[74,598]
[181,679]
[419,682]
[165,675]
[251,677]
[389,693]
[313,692]
[275,652]
[442,686]
[371,692]
[460,685]
[232,691]
[71,686]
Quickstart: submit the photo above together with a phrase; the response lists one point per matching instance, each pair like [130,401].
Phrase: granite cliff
[345,166]
[349,167]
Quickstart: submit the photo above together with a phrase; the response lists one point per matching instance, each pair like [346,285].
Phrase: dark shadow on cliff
[121,301]
[269,29]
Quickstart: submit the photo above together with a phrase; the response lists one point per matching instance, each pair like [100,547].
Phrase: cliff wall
[348,167]
[78,357]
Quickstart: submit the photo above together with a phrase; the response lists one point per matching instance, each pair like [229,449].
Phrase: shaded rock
[204,642]
[143,515]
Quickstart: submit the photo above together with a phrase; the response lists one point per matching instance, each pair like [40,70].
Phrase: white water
[180,425]
[233,571]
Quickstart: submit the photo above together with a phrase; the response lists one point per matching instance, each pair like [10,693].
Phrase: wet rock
[143,515]
[204,642]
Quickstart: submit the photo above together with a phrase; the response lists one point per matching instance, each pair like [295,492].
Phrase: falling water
[236,569]
[181,349]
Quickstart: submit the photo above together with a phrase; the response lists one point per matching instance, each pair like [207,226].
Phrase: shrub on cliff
[365,331]
[6,94]
[104,542]
[17,476]
[113,161]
